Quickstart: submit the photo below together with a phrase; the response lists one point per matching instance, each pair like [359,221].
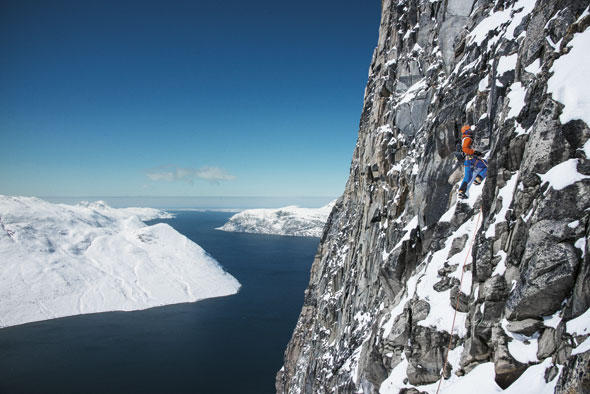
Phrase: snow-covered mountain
[401,259]
[59,260]
[292,220]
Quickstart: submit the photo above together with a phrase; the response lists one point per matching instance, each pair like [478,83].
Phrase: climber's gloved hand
[477,153]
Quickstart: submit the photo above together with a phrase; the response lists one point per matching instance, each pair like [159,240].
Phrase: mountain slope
[60,260]
[378,311]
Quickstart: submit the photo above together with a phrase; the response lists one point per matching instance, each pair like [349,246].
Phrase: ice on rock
[60,260]
[292,220]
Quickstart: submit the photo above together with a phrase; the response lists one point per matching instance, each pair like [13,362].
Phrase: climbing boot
[462,191]
[478,180]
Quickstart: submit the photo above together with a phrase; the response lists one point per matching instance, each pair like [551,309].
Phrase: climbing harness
[457,302]
[459,154]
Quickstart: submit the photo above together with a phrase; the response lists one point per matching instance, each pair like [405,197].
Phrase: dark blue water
[231,344]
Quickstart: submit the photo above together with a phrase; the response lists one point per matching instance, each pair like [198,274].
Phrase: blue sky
[195,98]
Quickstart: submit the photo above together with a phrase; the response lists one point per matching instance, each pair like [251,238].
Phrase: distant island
[291,220]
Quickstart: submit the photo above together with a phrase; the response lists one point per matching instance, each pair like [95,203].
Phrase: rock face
[399,255]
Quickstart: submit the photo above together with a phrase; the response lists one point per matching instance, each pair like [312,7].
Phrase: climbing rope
[457,302]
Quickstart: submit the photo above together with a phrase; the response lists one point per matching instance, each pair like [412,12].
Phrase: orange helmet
[466,130]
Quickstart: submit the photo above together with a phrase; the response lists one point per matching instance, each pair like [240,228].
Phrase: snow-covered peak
[291,220]
[59,260]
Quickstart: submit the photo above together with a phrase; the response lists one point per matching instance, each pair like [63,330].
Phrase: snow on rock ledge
[59,260]
[292,220]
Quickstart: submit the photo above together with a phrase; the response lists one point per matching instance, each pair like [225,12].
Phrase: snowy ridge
[292,220]
[59,260]
[143,214]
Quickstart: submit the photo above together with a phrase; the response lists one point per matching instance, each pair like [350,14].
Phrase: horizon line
[173,196]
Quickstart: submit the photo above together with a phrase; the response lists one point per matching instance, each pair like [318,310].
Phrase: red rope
[457,303]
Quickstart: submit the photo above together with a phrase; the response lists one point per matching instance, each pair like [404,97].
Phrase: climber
[475,166]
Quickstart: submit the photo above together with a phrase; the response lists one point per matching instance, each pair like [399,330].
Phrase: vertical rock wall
[380,303]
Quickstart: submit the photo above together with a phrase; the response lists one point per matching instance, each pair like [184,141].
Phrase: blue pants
[473,167]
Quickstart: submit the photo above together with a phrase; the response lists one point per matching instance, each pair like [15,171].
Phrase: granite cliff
[378,311]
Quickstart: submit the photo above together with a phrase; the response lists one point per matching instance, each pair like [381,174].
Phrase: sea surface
[231,344]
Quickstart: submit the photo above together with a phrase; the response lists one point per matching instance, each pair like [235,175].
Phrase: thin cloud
[189,175]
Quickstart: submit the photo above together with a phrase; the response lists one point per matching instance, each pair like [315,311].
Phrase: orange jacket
[467,141]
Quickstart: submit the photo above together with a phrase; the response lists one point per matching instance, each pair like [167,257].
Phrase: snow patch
[580,325]
[449,214]
[501,266]
[515,99]
[533,380]
[552,321]
[563,174]
[581,244]
[534,67]
[582,347]
[483,84]
[506,63]
[522,348]
[412,92]
[574,224]
[568,71]
[487,25]
[395,381]
[482,377]
[503,23]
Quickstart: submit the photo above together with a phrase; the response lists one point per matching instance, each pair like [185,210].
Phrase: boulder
[525,327]
[546,279]
[547,344]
